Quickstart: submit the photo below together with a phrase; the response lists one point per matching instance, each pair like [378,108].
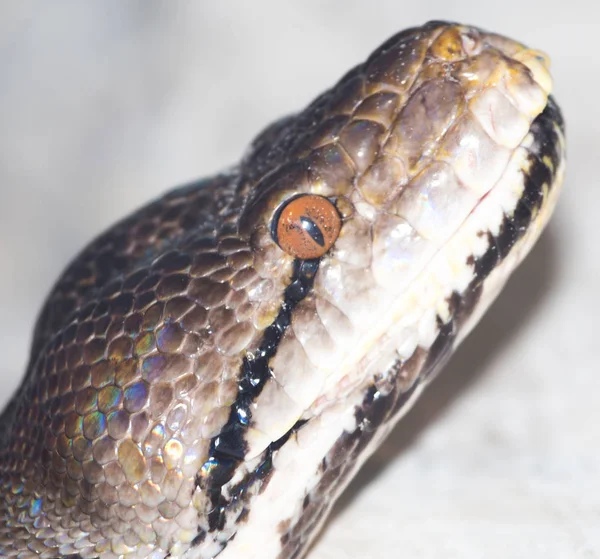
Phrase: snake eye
[307,226]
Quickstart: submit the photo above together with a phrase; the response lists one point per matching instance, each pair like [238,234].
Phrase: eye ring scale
[307,226]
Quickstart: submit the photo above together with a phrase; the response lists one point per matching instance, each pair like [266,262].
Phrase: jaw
[317,460]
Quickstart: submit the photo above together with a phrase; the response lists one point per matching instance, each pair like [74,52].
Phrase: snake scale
[208,374]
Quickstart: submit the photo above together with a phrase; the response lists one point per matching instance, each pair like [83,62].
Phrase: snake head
[423,152]
[208,374]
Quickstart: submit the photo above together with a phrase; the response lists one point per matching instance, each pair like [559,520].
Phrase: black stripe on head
[544,159]
[229,447]
[546,147]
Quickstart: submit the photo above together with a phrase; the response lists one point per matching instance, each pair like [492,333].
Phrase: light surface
[106,104]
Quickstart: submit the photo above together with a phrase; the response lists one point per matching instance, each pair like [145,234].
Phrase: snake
[207,376]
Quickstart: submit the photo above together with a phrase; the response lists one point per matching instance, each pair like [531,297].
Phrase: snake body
[199,386]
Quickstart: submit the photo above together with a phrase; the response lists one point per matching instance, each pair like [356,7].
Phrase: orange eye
[307,226]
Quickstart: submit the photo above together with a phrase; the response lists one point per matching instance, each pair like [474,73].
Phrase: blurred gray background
[106,104]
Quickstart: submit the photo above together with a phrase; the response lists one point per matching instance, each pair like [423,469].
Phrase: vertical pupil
[312,229]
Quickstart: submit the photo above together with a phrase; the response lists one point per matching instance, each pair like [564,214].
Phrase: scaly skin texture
[193,390]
